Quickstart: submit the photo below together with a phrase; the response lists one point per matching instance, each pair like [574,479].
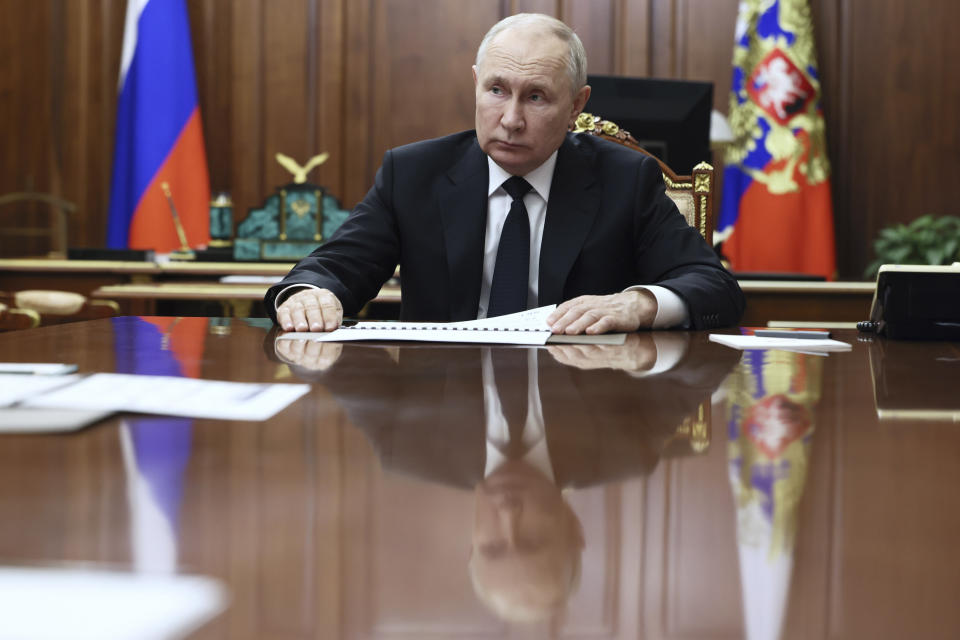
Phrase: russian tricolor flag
[159,136]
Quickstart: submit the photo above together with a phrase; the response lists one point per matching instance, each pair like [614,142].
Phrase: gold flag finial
[300,173]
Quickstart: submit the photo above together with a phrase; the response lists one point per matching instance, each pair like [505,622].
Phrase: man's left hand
[626,311]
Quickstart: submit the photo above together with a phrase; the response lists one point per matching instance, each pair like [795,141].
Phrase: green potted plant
[926,240]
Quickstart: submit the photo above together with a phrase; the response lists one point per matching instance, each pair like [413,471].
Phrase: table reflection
[900,394]
[772,397]
[695,494]
[156,450]
[518,427]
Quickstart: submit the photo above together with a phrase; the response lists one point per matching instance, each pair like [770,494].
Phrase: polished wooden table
[764,490]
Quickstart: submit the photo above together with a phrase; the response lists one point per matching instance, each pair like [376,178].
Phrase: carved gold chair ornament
[692,194]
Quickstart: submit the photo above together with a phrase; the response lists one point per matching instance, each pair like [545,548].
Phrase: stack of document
[816,346]
[31,403]
[524,328]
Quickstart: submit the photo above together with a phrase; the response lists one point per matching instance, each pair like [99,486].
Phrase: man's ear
[476,78]
[580,100]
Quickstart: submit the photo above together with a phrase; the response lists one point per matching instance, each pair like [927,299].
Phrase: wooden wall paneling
[358,79]
[635,35]
[597,24]
[707,45]
[83,76]
[831,55]
[247,181]
[330,133]
[905,136]
[286,123]
[212,25]
[663,38]
[25,86]
[94,38]
[549,7]
[420,44]
[836,64]
[408,76]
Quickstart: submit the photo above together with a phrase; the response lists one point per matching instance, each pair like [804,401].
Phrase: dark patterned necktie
[508,291]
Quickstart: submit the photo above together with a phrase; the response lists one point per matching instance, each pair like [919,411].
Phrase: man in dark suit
[596,233]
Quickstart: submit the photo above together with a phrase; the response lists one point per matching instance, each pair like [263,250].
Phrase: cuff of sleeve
[671,310]
[671,347]
[289,291]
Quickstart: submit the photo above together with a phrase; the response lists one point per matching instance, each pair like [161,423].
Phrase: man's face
[524,98]
[526,540]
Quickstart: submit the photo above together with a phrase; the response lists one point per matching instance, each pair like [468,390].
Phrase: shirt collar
[540,178]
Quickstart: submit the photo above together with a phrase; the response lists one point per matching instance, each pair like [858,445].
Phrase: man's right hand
[310,310]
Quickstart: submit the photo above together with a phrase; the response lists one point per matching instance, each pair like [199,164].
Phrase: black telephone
[916,302]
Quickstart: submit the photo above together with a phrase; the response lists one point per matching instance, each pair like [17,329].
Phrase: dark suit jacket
[609,225]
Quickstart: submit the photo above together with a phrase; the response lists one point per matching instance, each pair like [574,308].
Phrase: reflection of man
[527,541]
[517,214]
[541,423]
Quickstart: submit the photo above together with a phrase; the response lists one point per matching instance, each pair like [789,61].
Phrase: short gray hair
[577,59]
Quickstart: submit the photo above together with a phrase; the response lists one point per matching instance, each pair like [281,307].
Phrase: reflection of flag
[776,213]
[771,397]
[158,136]
[157,449]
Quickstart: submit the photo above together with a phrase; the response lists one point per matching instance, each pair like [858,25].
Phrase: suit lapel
[463,209]
[574,202]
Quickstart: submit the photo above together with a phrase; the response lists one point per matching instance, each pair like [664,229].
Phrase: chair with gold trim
[12,319]
[58,307]
[692,194]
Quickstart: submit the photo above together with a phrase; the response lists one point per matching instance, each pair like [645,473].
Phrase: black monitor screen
[670,118]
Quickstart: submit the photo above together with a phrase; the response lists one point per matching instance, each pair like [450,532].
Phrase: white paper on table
[73,603]
[38,368]
[16,387]
[172,396]
[250,279]
[786,344]
[526,327]
[30,420]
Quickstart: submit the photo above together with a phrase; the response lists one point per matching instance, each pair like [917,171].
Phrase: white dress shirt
[534,436]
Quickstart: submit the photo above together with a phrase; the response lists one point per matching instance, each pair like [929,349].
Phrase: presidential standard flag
[159,137]
[776,213]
